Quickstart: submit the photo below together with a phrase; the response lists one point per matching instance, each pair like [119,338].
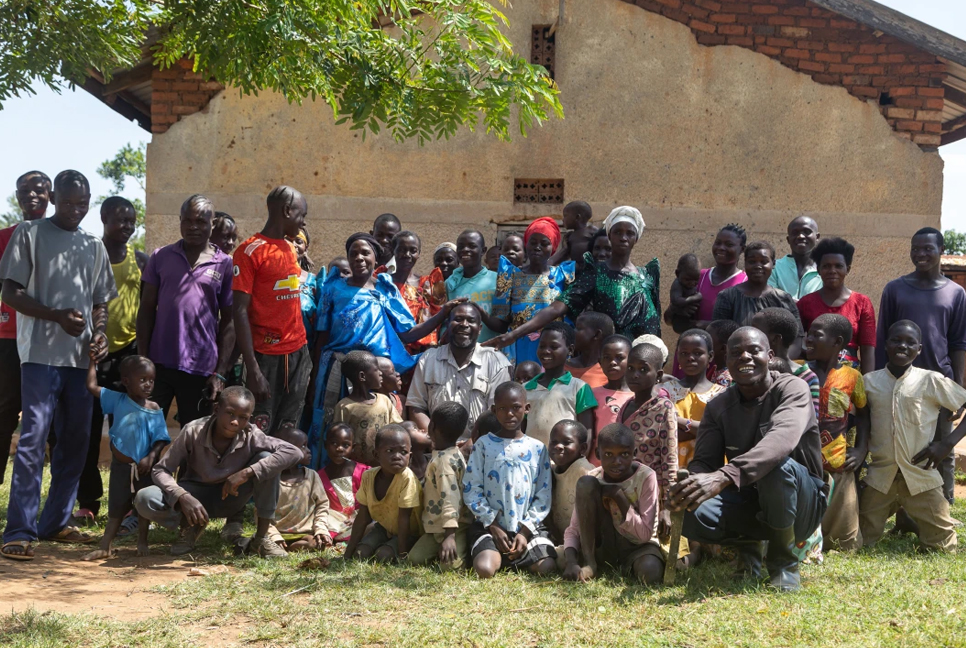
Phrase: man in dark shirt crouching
[772,486]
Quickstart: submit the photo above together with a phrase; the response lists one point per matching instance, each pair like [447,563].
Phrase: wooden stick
[677,522]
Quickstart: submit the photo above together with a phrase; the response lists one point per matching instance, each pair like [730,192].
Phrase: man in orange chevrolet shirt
[268,314]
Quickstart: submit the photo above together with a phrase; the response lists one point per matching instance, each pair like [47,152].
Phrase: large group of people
[515,407]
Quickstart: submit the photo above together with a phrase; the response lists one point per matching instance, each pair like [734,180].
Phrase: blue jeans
[787,496]
[58,395]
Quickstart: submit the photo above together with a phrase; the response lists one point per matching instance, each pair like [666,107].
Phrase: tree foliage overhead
[417,68]
[955,242]
[127,164]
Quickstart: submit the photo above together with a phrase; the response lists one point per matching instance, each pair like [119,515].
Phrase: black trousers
[91,488]
[9,398]
[188,389]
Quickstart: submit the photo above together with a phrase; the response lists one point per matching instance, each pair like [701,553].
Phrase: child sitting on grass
[720,331]
[390,496]
[842,417]
[568,451]
[526,371]
[138,435]
[905,403]
[685,298]
[612,396]
[445,516]
[341,478]
[555,394]
[615,517]
[591,330]
[781,327]
[507,489]
[302,513]
[223,462]
[364,409]
[391,383]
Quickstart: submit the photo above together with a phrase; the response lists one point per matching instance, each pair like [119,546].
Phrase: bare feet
[587,574]
[99,554]
[144,550]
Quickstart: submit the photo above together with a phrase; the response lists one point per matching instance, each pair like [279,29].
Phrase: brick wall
[904,80]
[176,92]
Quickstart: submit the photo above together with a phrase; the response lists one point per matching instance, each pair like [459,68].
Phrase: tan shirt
[365,419]
[565,492]
[303,507]
[443,506]
[904,414]
[438,379]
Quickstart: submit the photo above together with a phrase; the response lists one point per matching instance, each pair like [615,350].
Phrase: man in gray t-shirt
[58,278]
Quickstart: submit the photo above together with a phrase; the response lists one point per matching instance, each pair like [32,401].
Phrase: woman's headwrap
[546,226]
[444,245]
[625,215]
[368,238]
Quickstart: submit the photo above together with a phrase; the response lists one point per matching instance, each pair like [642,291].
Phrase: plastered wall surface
[694,136]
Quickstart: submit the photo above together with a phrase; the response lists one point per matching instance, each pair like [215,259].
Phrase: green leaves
[56,42]
[420,68]
[127,163]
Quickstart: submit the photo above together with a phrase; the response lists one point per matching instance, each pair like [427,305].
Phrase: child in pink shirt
[612,396]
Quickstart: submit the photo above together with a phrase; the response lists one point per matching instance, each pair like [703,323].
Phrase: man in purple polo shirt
[185,322]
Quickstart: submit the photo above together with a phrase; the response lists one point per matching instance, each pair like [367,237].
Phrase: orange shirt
[268,270]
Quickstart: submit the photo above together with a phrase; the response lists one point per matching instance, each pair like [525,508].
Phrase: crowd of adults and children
[508,410]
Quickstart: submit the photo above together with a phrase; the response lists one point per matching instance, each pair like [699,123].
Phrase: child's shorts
[540,546]
[377,537]
[123,484]
[426,549]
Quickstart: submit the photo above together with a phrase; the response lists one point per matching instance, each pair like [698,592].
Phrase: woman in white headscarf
[627,294]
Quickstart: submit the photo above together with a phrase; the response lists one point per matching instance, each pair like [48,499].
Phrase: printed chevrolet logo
[290,283]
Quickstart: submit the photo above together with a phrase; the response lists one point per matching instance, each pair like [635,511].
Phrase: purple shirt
[186,329]
[939,312]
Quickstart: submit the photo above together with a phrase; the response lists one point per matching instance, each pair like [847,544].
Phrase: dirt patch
[58,580]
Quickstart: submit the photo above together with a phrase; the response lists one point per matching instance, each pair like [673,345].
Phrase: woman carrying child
[629,295]
[362,311]
[523,292]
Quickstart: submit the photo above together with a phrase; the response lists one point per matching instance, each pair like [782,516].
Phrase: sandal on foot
[129,526]
[71,535]
[26,550]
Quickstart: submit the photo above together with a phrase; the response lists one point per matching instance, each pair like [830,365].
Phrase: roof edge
[901,26]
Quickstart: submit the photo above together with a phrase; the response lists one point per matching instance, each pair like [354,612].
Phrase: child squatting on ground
[138,435]
[302,512]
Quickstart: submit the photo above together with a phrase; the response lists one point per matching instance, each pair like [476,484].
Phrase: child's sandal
[26,550]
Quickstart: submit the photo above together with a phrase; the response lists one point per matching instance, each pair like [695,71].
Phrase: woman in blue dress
[362,311]
[523,292]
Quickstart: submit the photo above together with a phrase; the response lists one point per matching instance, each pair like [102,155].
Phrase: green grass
[887,596]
